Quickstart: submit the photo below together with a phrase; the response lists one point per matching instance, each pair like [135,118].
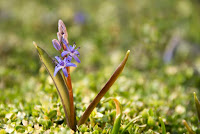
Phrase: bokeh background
[162,72]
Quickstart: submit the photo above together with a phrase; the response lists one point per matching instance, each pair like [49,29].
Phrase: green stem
[132,121]
[188,127]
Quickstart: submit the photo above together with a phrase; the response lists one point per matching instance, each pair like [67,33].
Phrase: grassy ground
[105,30]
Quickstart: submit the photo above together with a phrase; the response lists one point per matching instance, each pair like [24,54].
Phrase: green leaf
[103,91]
[162,125]
[150,121]
[197,103]
[129,124]
[118,119]
[2,131]
[20,128]
[52,114]
[58,81]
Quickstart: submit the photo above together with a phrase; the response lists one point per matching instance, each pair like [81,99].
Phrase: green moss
[148,87]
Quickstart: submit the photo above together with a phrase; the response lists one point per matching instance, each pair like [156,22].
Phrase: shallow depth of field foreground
[157,87]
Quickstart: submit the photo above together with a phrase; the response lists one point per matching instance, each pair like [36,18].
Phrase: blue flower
[70,51]
[62,64]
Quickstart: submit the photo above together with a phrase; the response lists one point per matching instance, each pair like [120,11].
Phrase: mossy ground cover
[148,86]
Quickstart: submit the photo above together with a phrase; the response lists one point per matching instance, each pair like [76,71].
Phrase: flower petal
[68,59]
[57,68]
[71,64]
[58,59]
[64,53]
[71,48]
[74,46]
[76,58]
[65,71]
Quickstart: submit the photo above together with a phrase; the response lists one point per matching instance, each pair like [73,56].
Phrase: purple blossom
[62,64]
[56,44]
[79,18]
[70,51]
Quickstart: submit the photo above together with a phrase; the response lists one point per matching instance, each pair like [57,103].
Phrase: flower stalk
[71,98]
[64,44]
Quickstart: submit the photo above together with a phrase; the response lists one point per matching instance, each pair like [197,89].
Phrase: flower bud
[59,35]
[65,37]
[56,44]
[61,27]
[65,41]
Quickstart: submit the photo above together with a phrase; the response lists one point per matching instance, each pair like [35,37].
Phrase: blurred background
[163,36]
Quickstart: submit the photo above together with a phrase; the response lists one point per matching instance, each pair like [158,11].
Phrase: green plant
[62,79]
[197,104]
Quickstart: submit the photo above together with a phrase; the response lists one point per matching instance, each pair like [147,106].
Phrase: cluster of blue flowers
[67,51]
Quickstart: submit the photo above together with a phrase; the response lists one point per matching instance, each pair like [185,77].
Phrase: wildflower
[56,44]
[70,51]
[62,64]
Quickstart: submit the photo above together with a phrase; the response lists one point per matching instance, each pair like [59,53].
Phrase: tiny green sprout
[59,70]
[188,127]
[197,103]
[162,125]
[118,119]
[117,122]
[131,122]
[145,114]
[150,121]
